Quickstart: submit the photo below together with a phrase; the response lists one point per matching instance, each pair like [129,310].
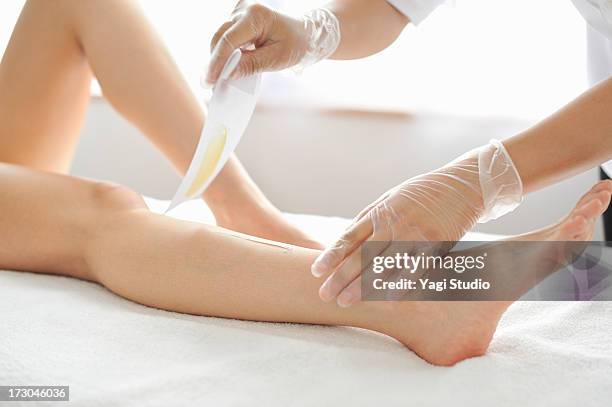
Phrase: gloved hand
[272,41]
[438,206]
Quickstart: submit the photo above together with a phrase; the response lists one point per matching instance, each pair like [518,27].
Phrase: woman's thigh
[44,88]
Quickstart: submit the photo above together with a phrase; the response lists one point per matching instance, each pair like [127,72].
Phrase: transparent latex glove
[438,206]
[272,41]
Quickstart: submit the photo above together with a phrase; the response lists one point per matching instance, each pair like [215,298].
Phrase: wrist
[500,182]
[322,30]
[462,175]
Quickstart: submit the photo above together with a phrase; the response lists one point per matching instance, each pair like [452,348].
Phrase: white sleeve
[416,10]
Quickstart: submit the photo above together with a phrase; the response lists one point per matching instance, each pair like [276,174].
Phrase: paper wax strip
[212,155]
[229,112]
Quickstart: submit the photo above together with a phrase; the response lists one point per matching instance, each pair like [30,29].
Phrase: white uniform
[597,13]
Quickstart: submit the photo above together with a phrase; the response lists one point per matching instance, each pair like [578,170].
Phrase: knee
[111,197]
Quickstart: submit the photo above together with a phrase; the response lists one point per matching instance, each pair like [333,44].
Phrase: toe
[593,204]
[581,222]
[605,196]
[574,227]
[602,186]
[605,185]
[590,209]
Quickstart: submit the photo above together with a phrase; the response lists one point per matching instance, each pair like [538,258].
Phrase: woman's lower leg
[104,233]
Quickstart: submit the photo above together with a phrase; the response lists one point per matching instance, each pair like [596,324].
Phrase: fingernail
[318,268]
[205,82]
[345,299]
[325,291]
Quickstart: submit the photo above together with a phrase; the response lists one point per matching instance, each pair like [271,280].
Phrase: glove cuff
[500,182]
[323,30]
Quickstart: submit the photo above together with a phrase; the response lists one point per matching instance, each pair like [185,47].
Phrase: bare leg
[103,233]
[447,332]
[56,48]
[44,90]
[48,219]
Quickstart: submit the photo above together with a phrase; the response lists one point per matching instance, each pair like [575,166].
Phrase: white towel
[61,331]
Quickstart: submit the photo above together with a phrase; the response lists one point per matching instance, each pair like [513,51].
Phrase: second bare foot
[444,333]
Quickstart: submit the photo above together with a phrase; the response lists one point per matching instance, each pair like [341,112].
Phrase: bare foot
[444,333]
[579,224]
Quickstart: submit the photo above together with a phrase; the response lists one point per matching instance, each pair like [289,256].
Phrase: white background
[520,58]
[480,69]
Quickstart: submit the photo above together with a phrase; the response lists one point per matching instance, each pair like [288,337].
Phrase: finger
[371,206]
[341,278]
[351,294]
[242,5]
[352,238]
[354,265]
[265,58]
[237,35]
[355,291]
[268,56]
[220,32]
[204,79]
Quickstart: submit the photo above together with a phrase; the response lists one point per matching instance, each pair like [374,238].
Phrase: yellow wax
[209,162]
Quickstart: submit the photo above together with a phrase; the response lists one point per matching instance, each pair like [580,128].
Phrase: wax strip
[211,158]
[286,247]
[229,112]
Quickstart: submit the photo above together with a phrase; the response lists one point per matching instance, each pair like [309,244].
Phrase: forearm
[574,139]
[367,27]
